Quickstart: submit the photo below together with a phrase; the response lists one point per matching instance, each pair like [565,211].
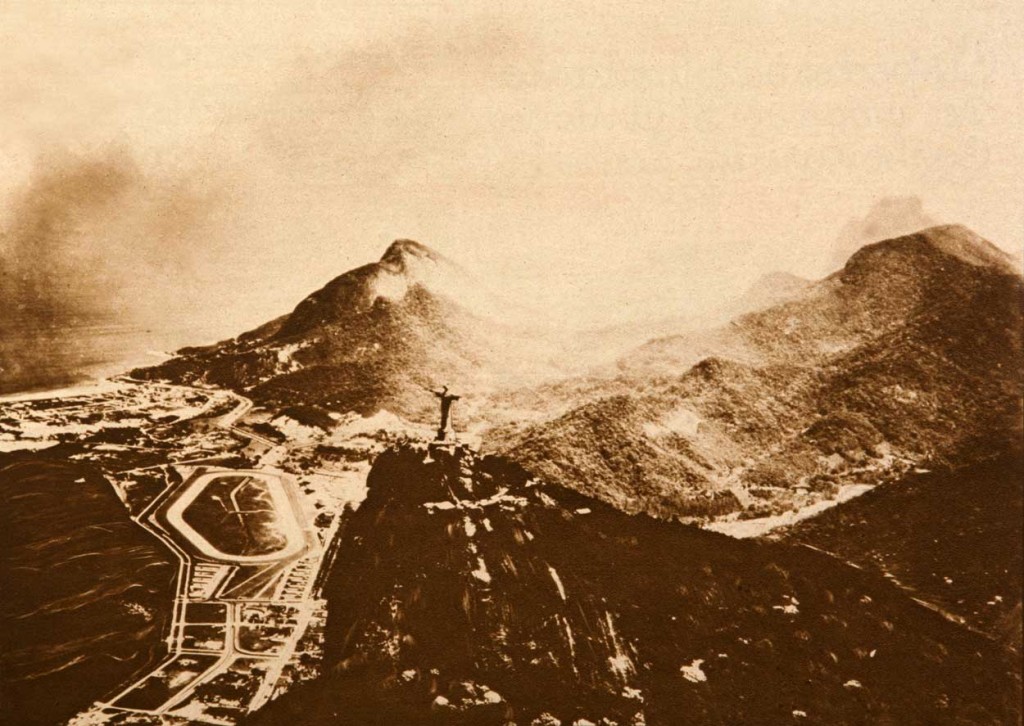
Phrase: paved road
[239,622]
[249,613]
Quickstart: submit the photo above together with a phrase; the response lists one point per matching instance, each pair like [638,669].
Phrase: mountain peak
[952,240]
[889,218]
[401,250]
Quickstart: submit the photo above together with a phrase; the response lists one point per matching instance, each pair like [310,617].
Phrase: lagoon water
[86,594]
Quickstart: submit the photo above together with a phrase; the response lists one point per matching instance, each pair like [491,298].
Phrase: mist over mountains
[496,583]
[375,338]
[889,217]
[130,259]
[97,258]
[910,352]
[545,364]
[489,589]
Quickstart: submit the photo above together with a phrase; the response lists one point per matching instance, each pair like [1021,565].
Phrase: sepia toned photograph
[372,363]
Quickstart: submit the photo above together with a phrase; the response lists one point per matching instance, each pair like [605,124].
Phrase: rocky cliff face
[465,591]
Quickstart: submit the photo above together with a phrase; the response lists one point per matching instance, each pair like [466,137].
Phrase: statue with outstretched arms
[447,399]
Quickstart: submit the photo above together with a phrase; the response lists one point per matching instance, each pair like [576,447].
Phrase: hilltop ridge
[911,353]
[373,338]
[953,240]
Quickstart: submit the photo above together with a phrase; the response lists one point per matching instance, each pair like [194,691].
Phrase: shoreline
[84,388]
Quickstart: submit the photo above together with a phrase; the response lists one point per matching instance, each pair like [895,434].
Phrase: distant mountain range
[911,352]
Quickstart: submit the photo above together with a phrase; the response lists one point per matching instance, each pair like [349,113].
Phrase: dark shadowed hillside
[951,537]
[466,592]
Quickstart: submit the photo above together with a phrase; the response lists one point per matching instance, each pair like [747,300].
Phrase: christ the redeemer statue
[446,408]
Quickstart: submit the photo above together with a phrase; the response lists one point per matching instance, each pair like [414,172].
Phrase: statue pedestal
[446,435]
[443,445]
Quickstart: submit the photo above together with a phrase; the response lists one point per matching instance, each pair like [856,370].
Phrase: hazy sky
[604,160]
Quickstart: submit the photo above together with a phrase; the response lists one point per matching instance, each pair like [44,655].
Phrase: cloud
[604,162]
[419,98]
[92,243]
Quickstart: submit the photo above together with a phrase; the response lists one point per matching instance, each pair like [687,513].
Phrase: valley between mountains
[809,513]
